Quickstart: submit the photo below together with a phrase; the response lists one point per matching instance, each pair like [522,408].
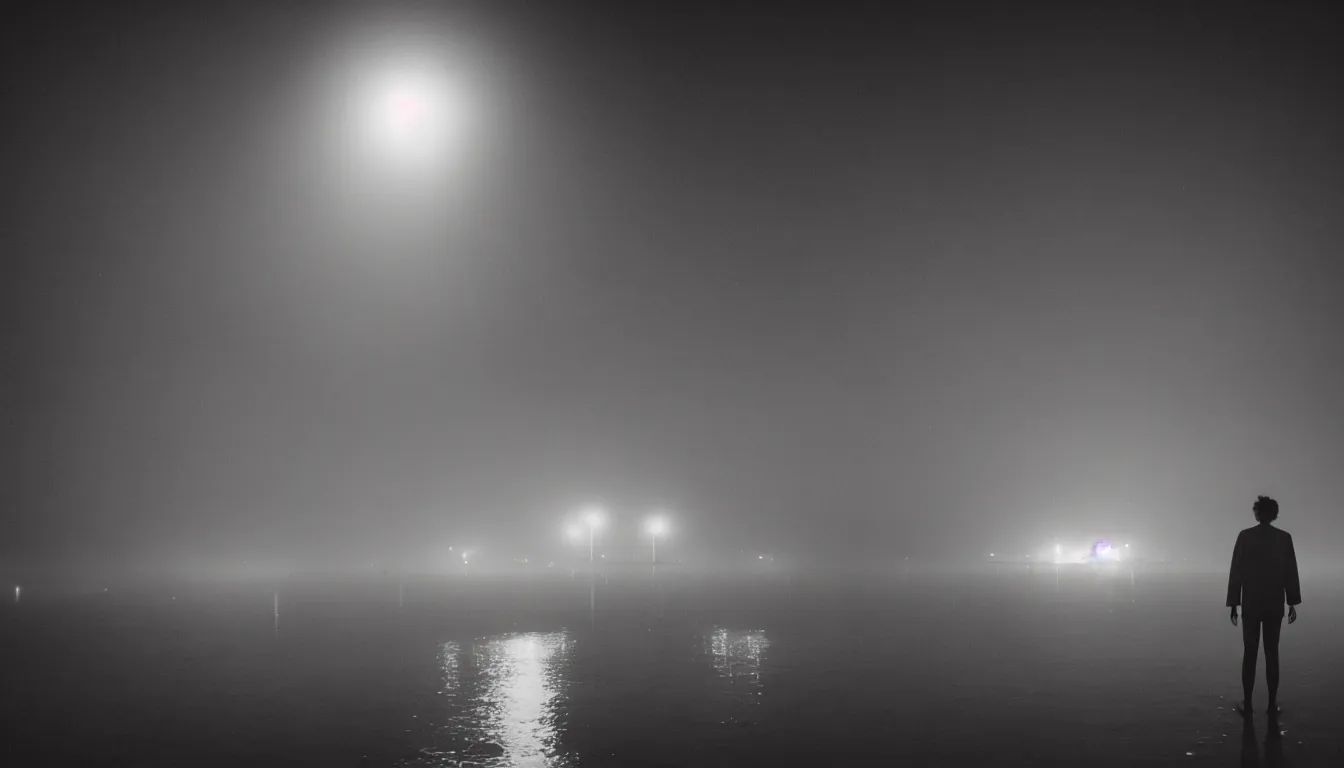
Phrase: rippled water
[504,699]
[955,672]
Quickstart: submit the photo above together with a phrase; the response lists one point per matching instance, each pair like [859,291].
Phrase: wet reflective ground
[973,670]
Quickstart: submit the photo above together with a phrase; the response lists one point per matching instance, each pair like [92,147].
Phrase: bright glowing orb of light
[402,109]
[657,526]
[593,518]
[412,114]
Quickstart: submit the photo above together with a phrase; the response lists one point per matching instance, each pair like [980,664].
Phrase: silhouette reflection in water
[1250,744]
[503,697]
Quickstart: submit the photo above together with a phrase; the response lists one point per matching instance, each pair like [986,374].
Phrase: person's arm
[1292,586]
[1234,578]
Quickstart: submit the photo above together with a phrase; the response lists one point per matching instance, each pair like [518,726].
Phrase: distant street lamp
[656,526]
[589,521]
[593,519]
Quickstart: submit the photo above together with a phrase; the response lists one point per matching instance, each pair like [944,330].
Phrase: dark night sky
[849,283]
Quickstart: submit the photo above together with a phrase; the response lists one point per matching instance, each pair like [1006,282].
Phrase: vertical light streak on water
[739,657]
[449,668]
[504,699]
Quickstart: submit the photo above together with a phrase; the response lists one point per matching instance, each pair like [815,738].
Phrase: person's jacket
[1264,572]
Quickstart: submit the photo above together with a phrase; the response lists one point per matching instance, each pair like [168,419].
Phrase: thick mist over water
[501,383]
[836,285]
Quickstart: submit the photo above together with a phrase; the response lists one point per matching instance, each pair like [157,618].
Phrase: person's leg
[1272,625]
[1250,641]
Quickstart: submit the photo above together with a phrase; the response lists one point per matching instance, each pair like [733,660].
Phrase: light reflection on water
[448,667]
[738,657]
[738,653]
[503,696]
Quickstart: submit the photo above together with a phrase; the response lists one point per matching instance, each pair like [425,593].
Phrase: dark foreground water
[973,670]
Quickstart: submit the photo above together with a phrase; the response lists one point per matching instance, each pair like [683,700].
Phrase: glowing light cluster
[1082,552]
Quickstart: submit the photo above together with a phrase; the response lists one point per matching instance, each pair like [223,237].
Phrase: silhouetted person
[1262,578]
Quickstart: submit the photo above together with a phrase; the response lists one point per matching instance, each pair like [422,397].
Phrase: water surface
[971,670]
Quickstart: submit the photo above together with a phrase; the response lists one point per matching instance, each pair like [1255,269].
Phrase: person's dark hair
[1266,509]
